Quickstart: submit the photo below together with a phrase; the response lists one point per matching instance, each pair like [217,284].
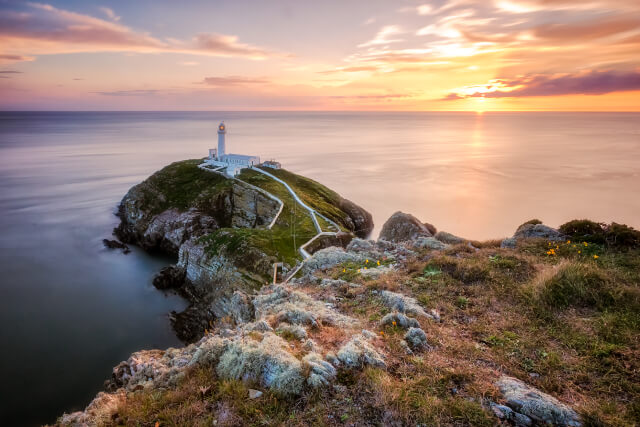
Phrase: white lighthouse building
[234,163]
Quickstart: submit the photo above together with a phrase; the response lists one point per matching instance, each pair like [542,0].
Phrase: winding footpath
[312,212]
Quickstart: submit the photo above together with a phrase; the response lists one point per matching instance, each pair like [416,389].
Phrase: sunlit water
[70,309]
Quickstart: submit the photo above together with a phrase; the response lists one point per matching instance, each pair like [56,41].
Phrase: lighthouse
[222,131]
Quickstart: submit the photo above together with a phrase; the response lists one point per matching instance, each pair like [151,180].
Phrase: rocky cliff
[219,230]
[419,327]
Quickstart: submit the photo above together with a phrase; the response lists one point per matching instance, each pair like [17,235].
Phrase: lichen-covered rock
[296,331]
[361,245]
[403,304]
[321,372]
[428,243]
[509,243]
[416,338]
[294,307]
[402,227]
[238,307]
[359,352]
[535,404]
[539,231]
[400,320]
[328,258]
[259,326]
[449,238]
[267,362]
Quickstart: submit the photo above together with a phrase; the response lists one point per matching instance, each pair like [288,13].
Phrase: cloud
[589,83]
[14,58]
[383,36]
[10,72]
[228,81]
[354,69]
[135,92]
[109,13]
[223,45]
[375,97]
[40,29]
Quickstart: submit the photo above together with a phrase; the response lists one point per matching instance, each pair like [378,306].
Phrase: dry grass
[566,324]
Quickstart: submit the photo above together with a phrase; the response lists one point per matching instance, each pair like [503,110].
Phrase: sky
[438,55]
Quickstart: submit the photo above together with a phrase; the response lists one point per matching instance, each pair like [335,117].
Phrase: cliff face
[219,230]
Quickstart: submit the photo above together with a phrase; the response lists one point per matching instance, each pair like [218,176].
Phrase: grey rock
[449,238]
[400,320]
[329,258]
[536,404]
[403,304]
[509,243]
[359,352]
[429,243]
[540,231]
[254,394]
[402,227]
[360,245]
[417,339]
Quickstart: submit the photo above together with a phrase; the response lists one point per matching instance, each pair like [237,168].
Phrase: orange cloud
[590,83]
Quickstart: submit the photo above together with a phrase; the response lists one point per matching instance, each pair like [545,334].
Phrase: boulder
[429,243]
[509,243]
[535,404]
[449,238]
[402,227]
[540,231]
[400,320]
[416,339]
[358,353]
[327,258]
[403,304]
[170,277]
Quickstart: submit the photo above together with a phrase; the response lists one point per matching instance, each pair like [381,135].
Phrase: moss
[182,185]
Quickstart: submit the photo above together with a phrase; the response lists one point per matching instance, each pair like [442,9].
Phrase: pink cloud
[232,81]
[44,29]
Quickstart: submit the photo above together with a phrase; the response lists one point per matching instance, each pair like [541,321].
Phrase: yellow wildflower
[366,262]
[579,252]
[586,244]
[596,257]
[394,323]
[568,242]
[378,262]
[382,333]
[344,270]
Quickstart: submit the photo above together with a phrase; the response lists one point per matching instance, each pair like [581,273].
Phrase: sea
[71,309]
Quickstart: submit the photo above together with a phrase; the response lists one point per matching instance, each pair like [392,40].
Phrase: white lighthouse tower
[222,131]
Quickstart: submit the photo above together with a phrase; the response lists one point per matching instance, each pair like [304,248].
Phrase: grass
[567,323]
[315,195]
[183,185]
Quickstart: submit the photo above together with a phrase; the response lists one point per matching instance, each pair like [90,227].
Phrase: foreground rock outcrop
[403,332]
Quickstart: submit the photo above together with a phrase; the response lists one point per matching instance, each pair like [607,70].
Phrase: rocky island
[418,327]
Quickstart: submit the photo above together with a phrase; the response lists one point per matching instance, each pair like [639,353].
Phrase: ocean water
[70,309]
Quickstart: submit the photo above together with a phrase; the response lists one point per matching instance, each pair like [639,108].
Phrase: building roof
[240,156]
